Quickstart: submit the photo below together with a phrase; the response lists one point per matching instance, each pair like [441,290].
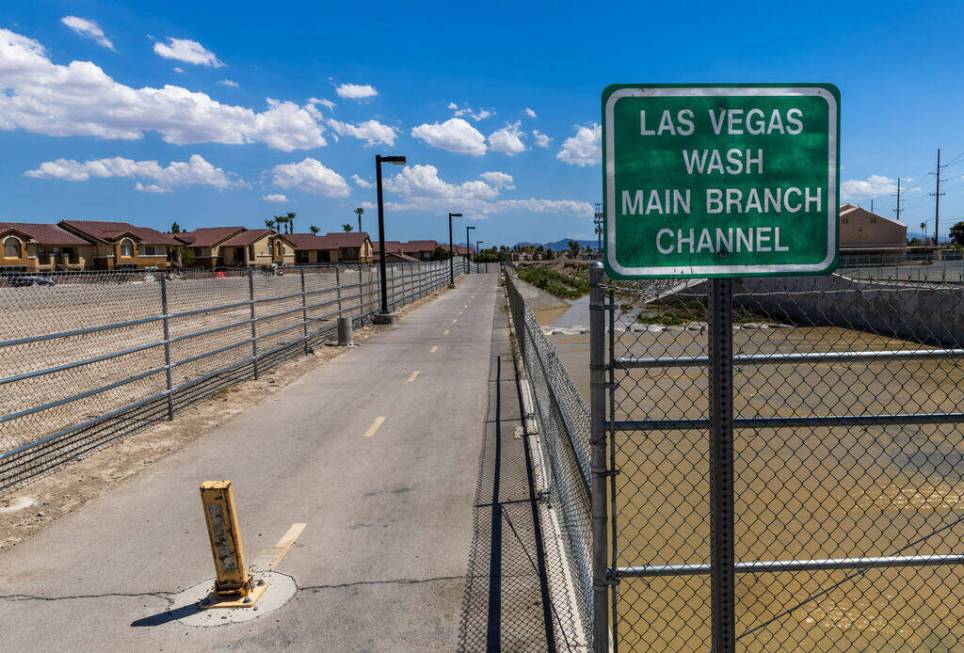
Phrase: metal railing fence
[847,466]
[563,428]
[82,364]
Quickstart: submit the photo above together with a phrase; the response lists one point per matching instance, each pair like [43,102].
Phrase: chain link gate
[846,468]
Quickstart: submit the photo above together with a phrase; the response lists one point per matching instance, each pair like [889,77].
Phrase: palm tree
[290,221]
[359,211]
[314,229]
[269,224]
[347,227]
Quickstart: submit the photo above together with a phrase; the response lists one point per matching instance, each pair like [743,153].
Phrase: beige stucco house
[27,247]
[339,247]
[121,245]
[866,233]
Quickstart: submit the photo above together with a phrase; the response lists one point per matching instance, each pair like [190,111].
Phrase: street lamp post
[468,247]
[379,160]
[452,251]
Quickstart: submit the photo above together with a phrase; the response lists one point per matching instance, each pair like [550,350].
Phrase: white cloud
[572,207]
[540,139]
[370,131]
[178,70]
[530,112]
[88,28]
[453,135]
[421,189]
[466,110]
[356,91]
[499,180]
[150,188]
[422,181]
[275,197]
[312,176]
[187,51]
[80,99]
[508,140]
[583,149]
[328,104]
[229,83]
[361,183]
[872,186]
[194,172]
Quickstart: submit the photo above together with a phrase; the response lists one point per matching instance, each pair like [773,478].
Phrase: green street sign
[720,180]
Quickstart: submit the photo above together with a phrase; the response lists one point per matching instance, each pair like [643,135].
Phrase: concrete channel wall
[932,315]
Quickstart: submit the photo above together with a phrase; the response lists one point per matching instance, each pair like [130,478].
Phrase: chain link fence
[848,467]
[96,356]
[562,418]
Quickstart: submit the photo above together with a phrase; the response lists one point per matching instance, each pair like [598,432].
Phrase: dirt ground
[27,509]
[800,493]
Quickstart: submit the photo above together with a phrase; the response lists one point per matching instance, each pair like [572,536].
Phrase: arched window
[279,248]
[127,247]
[11,247]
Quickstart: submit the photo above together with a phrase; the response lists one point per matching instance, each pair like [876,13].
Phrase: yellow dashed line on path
[445,333]
[434,349]
[377,424]
[455,320]
[271,557]
[413,376]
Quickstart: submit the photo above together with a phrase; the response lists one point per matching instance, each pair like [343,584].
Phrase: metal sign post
[722,561]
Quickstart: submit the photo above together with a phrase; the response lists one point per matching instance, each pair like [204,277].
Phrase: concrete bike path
[377,452]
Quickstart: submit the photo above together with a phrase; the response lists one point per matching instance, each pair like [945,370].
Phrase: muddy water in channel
[801,493]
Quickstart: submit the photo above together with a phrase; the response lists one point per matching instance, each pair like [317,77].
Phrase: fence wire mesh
[848,444]
[563,426]
[96,356]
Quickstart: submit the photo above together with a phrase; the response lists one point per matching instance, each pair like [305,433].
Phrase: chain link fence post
[361,294]
[597,442]
[304,309]
[338,287]
[168,372]
[254,327]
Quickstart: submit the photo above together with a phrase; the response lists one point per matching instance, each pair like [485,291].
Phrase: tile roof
[246,237]
[111,231]
[398,256]
[208,236]
[412,246]
[44,234]
[335,240]
[419,246]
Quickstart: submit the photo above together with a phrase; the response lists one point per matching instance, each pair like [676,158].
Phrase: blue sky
[155,112]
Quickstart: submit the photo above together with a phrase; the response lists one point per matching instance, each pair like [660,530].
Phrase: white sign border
[734,270]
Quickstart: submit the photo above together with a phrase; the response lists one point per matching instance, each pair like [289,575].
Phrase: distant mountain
[562,245]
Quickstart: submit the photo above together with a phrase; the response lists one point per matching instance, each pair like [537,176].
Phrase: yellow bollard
[234,586]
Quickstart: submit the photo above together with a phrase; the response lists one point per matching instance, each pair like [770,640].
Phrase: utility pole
[597,219]
[937,200]
[897,210]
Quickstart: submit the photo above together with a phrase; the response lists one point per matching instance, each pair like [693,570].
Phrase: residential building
[866,233]
[417,250]
[27,247]
[121,245]
[204,245]
[338,247]
[256,248]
